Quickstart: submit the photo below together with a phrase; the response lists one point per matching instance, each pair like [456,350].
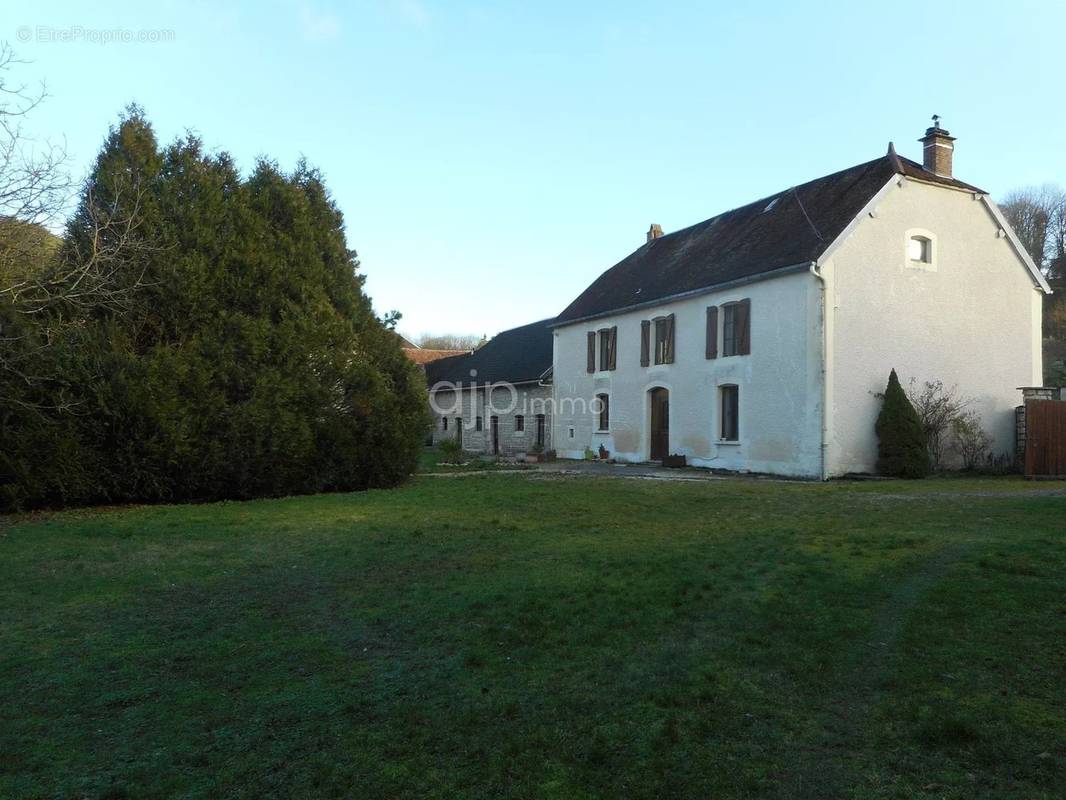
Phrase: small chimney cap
[936,130]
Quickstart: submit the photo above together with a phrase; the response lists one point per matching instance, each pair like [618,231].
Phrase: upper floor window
[662,347]
[920,248]
[664,340]
[606,349]
[736,328]
[608,346]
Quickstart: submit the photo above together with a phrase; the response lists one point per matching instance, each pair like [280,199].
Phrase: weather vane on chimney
[936,120]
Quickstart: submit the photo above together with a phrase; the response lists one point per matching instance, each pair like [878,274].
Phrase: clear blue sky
[492,158]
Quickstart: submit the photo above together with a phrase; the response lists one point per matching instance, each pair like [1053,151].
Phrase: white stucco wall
[506,403]
[779,383]
[972,320]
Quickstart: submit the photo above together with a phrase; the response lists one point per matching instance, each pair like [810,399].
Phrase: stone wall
[516,409]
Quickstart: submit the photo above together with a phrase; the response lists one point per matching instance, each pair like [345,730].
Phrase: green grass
[523,636]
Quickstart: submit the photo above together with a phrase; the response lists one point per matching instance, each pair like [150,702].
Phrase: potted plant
[604,454]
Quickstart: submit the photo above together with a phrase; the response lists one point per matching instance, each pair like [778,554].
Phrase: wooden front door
[494,425]
[660,423]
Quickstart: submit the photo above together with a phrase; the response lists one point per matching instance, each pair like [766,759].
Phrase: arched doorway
[660,423]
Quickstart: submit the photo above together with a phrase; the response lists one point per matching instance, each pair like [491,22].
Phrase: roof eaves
[672,298]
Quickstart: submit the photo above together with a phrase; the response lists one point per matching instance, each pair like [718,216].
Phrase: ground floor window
[730,413]
[519,423]
[603,403]
[540,430]
[477,424]
[444,423]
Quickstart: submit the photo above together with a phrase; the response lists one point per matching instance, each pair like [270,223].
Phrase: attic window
[919,248]
[770,205]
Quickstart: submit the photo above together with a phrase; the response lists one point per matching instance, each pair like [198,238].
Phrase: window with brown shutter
[645,342]
[729,329]
[664,340]
[736,328]
[712,332]
[604,345]
[591,360]
[612,348]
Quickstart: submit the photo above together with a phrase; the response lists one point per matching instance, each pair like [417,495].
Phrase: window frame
[444,423]
[725,391]
[929,249]
[729,329]
[603,413]
[663,339]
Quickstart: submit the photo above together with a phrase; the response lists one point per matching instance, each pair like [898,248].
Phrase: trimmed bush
[901,442]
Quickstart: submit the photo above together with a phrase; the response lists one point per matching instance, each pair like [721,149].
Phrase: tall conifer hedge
[249,361]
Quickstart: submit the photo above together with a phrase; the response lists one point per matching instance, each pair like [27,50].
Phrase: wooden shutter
[645,342]
[591,361]
[668,350]
[744,327]
[712,332]
[612,348]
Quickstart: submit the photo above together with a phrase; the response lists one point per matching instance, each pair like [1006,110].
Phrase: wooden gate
[1045,438]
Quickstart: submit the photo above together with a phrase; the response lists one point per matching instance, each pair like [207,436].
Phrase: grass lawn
[543,637]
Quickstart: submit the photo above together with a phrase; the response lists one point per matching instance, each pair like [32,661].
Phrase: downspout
[825,371]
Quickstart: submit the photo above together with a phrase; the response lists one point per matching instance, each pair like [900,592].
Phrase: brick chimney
[937,149]
[655,231]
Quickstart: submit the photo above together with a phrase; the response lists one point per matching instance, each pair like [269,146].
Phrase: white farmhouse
[759,339]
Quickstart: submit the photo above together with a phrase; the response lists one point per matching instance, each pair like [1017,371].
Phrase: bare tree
[938,408]
[105,270]
[1038,216]
[450,341]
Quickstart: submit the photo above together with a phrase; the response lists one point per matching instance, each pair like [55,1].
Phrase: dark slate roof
[790,228]
[516,356]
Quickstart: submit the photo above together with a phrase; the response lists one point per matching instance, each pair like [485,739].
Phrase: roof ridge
[765,199]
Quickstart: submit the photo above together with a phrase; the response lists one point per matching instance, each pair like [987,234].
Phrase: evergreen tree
[901,443]
[248,362]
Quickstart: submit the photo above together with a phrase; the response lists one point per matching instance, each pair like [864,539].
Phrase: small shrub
[937,407]
[901,442]
[970,440]
[450,449]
